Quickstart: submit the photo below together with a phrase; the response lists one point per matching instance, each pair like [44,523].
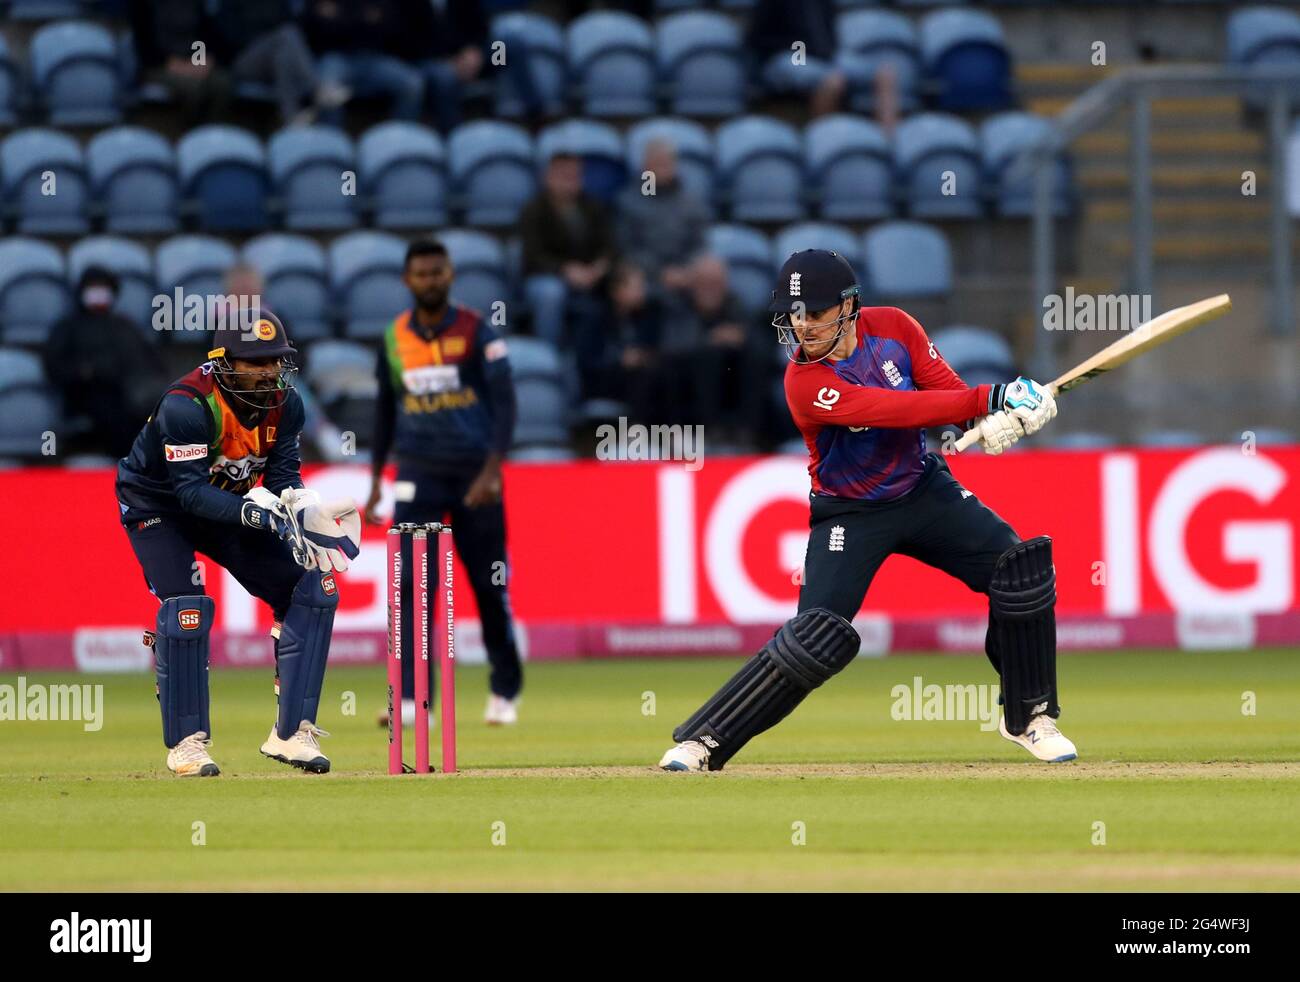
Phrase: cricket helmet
[811,281]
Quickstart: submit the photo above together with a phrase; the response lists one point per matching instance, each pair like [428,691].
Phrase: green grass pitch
[1191,793]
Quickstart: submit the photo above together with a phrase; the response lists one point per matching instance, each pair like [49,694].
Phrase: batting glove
[1025,399]
[998,431]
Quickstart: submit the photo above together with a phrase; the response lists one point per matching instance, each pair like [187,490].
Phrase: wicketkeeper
[191,483]
[863,383]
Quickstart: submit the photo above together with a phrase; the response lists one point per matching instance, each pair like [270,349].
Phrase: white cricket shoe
[408,715]
[301,750]
[501,711]
[189,758]
[690,755]
[1042,739]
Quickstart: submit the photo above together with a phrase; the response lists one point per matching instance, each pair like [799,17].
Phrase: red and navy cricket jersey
[864,418]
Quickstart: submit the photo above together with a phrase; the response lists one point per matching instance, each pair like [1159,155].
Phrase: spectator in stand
[361,44]
[714,358]
[448,39]
[568,249]
[262,43]
[165,36]
[246,284]
[661,231]
[815,70]
[618,356]
[104,366]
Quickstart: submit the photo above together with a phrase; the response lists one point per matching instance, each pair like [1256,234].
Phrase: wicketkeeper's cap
[259,335]
[817,278]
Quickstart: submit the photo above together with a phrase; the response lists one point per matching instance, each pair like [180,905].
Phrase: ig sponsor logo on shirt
[826,397]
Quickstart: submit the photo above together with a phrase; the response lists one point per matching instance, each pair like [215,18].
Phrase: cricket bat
[1152,334]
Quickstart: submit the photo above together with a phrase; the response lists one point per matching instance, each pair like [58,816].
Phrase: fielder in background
[191,483]
[447,409]
[862,385]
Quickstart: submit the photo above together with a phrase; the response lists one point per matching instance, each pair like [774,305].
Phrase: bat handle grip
[967,440]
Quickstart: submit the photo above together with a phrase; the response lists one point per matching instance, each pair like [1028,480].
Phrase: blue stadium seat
[19,367]
[493,170]
[480,264]
[598,144]
[1171,438]
[9,85]
[27,414]
[340,369]
[818,235]
[906,259]
[1002,139]
[966,54]
[404,174]
[296,275]
[535,358]
[975,350]
[25,157]
[223,168]
[546,421]
[879,38]
[307,168]
[927,148]
[1265,37]
[851,166]
[1081,440]
[366,277]
[197,264]
[702,63]
[133,177]
[545,40]
[694,151]
[133,265]
[542,454]
[611,59]
[748,254]
[33,290]
[760,167]
[75,71]
[43,9]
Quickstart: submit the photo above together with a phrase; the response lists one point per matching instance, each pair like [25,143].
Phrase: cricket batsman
[863,383]
[216,470]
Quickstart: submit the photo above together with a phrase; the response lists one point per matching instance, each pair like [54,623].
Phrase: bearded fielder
[862,386]
[216,470]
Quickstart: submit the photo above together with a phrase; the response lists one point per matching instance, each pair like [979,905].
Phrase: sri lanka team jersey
[195,456]
[446,398]
[863,418]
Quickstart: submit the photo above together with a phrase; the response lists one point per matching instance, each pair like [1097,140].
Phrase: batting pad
[303,649]
[807,650]
[1022,620]
[180,662]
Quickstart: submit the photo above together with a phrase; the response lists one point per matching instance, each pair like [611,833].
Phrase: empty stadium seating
[134,179]
[34,290]
[43,175]
[314,173]
[223,168]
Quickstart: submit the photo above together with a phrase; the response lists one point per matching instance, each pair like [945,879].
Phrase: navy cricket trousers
[938,522]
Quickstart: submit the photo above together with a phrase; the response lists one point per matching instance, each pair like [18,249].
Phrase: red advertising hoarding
[1151,547]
